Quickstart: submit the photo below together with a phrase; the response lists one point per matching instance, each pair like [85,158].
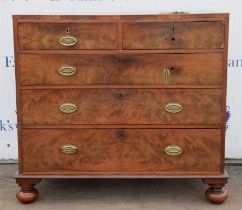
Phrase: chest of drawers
[121,97]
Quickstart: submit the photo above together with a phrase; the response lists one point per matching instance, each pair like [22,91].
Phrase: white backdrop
[8,132]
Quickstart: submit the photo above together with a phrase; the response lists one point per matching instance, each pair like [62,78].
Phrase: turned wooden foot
[216,193]
[27,193]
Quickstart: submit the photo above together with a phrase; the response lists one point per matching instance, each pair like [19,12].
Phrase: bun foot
[216,193]
[27,193]
[27,196]
[216,196]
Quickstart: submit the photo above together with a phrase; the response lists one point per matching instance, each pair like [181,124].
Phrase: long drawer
[122,106]
[147,69]
[174,35]
[128,151]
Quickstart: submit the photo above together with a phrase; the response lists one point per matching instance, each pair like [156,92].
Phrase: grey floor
[119,194]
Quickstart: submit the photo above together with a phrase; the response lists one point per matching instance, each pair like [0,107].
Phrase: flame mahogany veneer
[140,96]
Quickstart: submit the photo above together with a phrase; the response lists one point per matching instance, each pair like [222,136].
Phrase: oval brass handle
[173,108]
[67,71]
[68,40]
[69,149]
[173,150]
[166,76]
[68,108]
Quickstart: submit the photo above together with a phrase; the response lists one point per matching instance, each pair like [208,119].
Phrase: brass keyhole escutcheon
[166,76]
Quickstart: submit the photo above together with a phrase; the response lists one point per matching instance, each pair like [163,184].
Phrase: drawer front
[122,106]
[51,36]
[178,35]
[119,151]
[147,69]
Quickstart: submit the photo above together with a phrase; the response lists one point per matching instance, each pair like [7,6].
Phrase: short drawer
[174,35]
[122,151]
[55,36]
[122,106]
[144,69]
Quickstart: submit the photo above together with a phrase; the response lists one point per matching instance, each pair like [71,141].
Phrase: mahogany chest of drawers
[121,97]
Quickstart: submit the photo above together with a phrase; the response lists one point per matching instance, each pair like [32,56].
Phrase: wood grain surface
[191,35]
[127,151]
[143,69]
[166,16]
[122,106]
[46,36]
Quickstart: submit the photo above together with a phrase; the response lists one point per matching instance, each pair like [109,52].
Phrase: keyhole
[121,95]
[121,134]
[173,29]
[173,39]
[67,30]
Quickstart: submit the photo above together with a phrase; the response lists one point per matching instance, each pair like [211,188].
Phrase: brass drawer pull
[69,149]
[173,150]
[67,70]
[68,108]
[166,76]
[173,108]
[68,40]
